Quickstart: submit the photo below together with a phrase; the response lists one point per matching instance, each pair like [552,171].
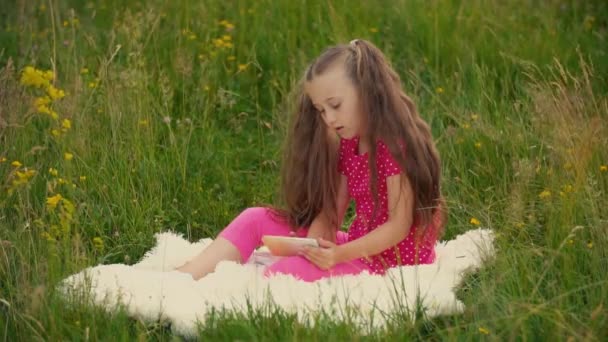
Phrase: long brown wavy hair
[309,181]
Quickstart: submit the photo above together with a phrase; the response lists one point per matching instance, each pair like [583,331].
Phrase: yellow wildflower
[243,67]
[48,75]
[227,37]
[466,125]
[66,23]
[143,122]
[54,93]
[92,85]
[231,58]
[570,241]
[48,111]
[34,77]
[44,109]
[52,202]
[16,163]
[61,181]
[227,25]
[567,189]
[98,243]
[474,117]
[3,159]
[604,168]
[23,177]
[191,36]
[206,88]
[84,71]
[519,225]
[544,194]
[68,156]
[26,175]
[590,244]
[474,221]
[53,172]
[42,101]
[66,124]
[478,144]
[439,90]
[83,178]
[484,331]
[55,132]
[373,30]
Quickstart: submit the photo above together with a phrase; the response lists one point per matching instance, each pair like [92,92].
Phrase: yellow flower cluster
[545,194]
[566,189]
[51,202]
[36,78]
[98,243]
[65,215]
[224,41]
[21,176]
[227,25]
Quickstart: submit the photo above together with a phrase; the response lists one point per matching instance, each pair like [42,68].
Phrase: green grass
[515,92]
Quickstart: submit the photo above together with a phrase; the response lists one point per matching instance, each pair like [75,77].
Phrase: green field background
[174,114]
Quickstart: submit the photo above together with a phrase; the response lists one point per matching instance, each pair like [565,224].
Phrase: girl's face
[335,98]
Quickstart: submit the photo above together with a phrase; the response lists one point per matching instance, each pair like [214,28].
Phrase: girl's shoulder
[388,165]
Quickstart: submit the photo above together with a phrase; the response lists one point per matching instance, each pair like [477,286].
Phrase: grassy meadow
[120,119]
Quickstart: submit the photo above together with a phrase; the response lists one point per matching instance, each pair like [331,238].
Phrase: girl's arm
[393,231]
[320,226]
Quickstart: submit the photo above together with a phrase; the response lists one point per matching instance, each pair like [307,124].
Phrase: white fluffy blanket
[151,291]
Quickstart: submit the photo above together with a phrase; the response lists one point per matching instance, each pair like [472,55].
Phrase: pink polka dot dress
[355,167]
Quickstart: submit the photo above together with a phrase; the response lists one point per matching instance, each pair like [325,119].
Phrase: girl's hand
[324,256]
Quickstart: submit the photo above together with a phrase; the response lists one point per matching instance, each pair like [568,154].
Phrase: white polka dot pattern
[355,167]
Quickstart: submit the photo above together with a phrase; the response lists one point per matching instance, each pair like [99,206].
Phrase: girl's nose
[330,117]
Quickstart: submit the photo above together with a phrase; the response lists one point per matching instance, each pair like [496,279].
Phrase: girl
[355,134]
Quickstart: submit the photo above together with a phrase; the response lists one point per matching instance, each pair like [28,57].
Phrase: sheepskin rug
[150,290]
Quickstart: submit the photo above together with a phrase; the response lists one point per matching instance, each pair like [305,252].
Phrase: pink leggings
[246,232]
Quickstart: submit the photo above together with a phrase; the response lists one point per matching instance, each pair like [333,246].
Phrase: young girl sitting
[355,134]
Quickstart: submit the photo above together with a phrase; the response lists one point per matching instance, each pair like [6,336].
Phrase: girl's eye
[336,106]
